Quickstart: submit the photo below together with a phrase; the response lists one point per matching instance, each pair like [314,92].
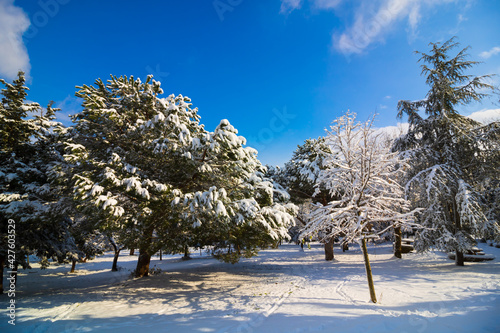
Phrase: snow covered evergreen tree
[360,176]
[449,153]
[487,163]
[303,180]
[163,180]
[304,168]
[29,150]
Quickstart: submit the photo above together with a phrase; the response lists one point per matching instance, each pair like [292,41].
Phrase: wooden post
[368,271]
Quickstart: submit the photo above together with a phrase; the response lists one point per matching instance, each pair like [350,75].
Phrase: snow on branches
[452,158]
[133,151]
[362,178]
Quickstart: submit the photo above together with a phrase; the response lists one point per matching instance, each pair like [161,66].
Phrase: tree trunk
[117,250]
[73,265]
[397,242]
[186,253]
[329,249]
[459,258]
[144,259]
[132,252]
[368,271]
[143,264]
[115,260]
[345,246]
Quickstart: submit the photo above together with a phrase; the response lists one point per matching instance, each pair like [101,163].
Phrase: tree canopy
[447,152]
[151,166]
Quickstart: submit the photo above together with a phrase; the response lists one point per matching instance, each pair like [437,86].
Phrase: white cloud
[414,16]
[373,23]
[13,54]
[392,132]
[326,4]
[370,27]
[288,6]
[374,19]
[461,18]
[486,116]
[490,53]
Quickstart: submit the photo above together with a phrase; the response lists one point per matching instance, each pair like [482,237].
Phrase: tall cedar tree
[448,153]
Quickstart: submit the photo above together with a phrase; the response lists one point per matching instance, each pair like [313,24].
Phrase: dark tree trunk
[329,249]
[117,250]
[143,264]
[459,258]
[397,242]
[368,271]
[161,257]
[144,259]
[115,260]
[345,246]
[73,265]
[132,252]
[187,256]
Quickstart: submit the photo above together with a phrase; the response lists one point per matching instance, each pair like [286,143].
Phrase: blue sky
[279,70]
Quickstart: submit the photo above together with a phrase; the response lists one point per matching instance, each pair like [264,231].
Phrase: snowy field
[283,290]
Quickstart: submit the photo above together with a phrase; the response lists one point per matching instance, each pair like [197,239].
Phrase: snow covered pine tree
[29,150]
[448,153]
[165,181]
[360,176]
[303,173]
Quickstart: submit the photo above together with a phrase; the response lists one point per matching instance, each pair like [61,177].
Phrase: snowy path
[281,290]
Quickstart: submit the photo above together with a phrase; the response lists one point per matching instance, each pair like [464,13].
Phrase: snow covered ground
[282,290]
